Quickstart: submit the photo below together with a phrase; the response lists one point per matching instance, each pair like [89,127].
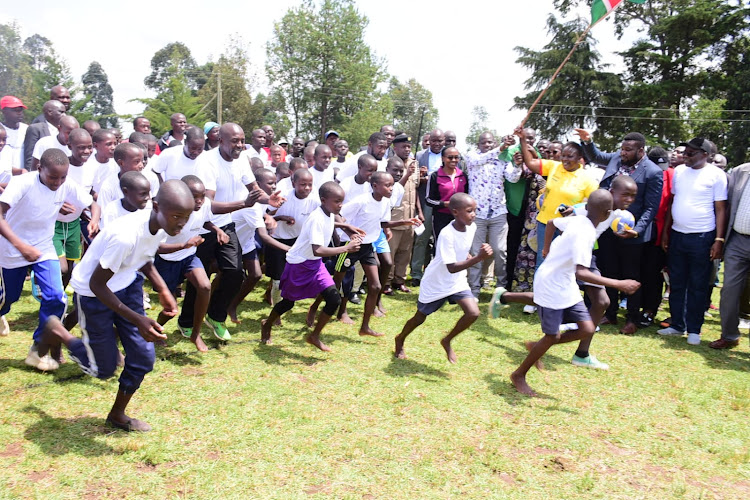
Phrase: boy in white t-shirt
[29,206]
[136,192]
[58,141]
[445,276]
[285,185]
[556,291]
[129,157]
[103,158]
[109,293]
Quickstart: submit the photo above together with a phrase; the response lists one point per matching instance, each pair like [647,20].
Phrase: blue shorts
[552,318]
[173,272]
[433,306]
[381,244]
[251,255]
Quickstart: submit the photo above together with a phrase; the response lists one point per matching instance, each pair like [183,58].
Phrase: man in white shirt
[12,109]
[693,237]
[176,163]
[377,145]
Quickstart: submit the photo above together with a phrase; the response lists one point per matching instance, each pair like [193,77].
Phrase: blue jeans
[540,237]
[690,269]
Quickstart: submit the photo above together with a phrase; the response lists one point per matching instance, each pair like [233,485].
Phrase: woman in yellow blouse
[567,184]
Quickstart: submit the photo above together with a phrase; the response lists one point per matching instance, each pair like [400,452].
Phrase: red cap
[11,101]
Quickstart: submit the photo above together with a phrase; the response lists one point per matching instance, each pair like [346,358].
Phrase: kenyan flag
[600,8]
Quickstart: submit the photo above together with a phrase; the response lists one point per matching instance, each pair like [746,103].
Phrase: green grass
[286,421]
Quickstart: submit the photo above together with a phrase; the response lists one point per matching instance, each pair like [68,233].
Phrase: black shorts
[276,259]
[365,256]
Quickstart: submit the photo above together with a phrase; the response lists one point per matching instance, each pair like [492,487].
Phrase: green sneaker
[186,331]
[496,306]
[589,361]
[220,331]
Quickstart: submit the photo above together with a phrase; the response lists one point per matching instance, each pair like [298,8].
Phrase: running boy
[445,276]
[305,276]
[109,292]
[28,209]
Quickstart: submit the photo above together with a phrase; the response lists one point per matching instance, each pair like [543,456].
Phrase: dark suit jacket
[38,119]
[35,132]
[738,182]
[648,177]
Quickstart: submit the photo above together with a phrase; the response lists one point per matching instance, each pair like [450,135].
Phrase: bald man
[57,93]
[52,111]
[177,133]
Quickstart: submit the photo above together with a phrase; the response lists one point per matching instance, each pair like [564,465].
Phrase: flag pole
[565,61]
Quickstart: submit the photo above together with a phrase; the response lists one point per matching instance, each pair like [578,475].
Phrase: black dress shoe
[415,281]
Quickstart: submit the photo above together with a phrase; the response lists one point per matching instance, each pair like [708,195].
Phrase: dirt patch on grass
[318,488]
[38,476]
[12,450]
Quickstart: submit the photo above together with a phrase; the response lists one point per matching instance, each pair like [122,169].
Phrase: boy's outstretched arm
[485,252]
[629,287]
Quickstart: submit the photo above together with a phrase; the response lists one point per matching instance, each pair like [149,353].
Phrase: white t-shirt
[6,165]
[352,188]
[285,185]
[603,226]
[194,227]
[452,246]
[299,210]
[227,178]
[112,212]
[109,191]
[84,177]
[350,168]
[153,180]
[48,142]
[14,144]
[317,230]
[367,213]
[103,170]
[397,195]
[246,221]
[320,178]
[32,214]
[555,285]
[123,248]
[695,191]
[173,164]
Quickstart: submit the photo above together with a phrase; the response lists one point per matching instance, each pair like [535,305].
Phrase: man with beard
[177,133]
[376,147]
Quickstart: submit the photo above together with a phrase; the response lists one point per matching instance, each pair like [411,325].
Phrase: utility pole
[218,98]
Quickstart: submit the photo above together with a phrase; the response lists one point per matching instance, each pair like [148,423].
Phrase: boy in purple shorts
[556,291]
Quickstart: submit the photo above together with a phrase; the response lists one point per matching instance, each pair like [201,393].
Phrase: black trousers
[619,260]
[229,261]
[652,280]
[515,231]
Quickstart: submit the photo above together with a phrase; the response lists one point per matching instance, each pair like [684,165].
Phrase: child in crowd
[320,170]
[109,291]
[305,276]
[136,194]
[285,185]
[445,276]
[129,157]
[103,159]
[28,209]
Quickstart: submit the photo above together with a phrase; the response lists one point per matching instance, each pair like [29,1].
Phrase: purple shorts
[552,318]
[304,280]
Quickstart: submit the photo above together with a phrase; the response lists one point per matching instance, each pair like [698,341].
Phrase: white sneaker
[744,323]
[694,338]
[529,309]
[45,363]
[670,331]
[566,327]
[4,326]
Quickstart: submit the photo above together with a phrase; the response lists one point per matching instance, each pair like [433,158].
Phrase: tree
[580,88]
[366,120]
[98,94]
[737,70]
[479,125]
[412,107]
[322,67]
[177,97]
[269,110]
[172,59]
[15,69]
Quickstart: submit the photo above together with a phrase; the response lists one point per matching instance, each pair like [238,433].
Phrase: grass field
[286,421]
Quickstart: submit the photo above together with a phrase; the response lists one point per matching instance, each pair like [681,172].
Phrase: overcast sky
[477,36]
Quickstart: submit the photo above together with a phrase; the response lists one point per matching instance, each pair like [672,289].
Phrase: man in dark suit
[56,93]
[620,256]
[736,256]
[53,111]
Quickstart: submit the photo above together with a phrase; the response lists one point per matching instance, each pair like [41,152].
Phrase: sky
[415,38]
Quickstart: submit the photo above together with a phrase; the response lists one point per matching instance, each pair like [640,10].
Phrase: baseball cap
[332,132]
[11,101]
[698,143]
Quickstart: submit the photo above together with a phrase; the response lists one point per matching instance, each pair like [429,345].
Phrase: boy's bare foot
[267,296]
[317,343]
[199,344]
[529,346]
[519,382]
[128,424]
[370,332]
[160,342]
[265,332]
[381,307]
[310,320]
[277,322]
[378,313]
[345,319]
[232,313]
[400,354]
[446,343]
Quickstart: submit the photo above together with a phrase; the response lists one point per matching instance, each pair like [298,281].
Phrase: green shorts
[67,239]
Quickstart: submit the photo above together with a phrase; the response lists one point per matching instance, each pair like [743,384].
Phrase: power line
[622,107]
[640,117]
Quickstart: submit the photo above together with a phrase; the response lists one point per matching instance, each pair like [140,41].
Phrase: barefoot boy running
[445,276]
[109,293]
[556,292]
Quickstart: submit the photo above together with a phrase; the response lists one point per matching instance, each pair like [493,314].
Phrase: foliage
[269,110]
[479,125]
[581,87]
[98,96]
[15,70]
[321,66]
[376,112]
[736,67]
[411,102]
[172,59]
[176,97]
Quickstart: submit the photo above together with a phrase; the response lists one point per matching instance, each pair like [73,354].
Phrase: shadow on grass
[501,386]
[720,359]
[275,355]
[410,368]
[61,436]
[518,355]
